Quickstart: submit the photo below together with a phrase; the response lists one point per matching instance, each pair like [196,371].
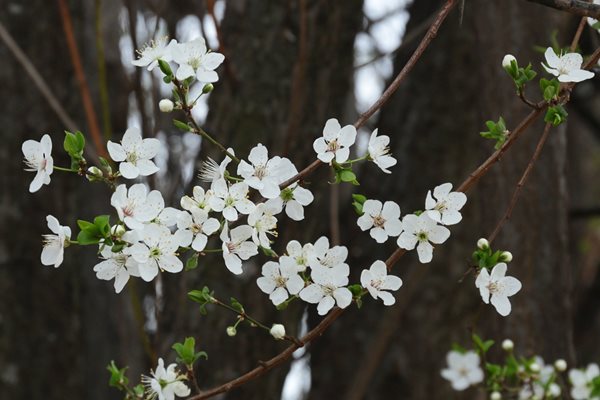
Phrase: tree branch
[576,7]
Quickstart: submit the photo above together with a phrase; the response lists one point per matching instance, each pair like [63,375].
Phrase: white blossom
[230,199]
[194,59]
[211,171]
[379,152]
[136,206]
[277,331]
[134,154]
[237,247]
[323,257]
[377,281]
[419,231]
[156,251]
[195,228]
[38,159]
[262,222]
[279,281]
[298,255]
[498,286]
[198,200]
[335,142]
[566,67]
[581,379]
[293,198]
[444,206]
[264,174]
[560,365]
[118,266]
[382,220]
[54,245]
[328,289]
[165,384]
[463,369]
[154,51]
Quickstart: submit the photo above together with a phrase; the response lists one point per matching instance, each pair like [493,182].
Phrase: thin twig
[517,191]
[577,7]
[577,36]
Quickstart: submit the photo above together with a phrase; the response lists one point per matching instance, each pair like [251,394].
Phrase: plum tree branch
[576,7]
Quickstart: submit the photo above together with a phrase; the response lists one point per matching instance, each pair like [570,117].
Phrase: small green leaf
[192,262]
[556,115]
[347,175]
[182,125]
[236,305]
[165,68]
[117,376]
[84,238]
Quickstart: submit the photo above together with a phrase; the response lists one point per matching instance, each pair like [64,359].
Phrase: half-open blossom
[194,59]
[156,50]
[582,379]
[323,257]
[237,247]
[54,245]
[262,222]
[230,199]
[444,206]
[418,232]
[195,228]
[377,281]
[264,174]
[463,369]
[566,67]
[165,384]
[38,159]
[379,152]
[136,206]
[134,154]
[498,286]
[156,251]
[279,281]
[382,220]
[118,266]
[293,198]
[328,289]
[335,142]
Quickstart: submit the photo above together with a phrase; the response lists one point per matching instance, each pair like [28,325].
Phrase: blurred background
[290,65]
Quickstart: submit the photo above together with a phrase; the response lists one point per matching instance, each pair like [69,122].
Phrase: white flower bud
[93,174]
[508,345]
[277,331]
[507,60]
[231,331]
[165,105]
[506,256]
[495,396]
[560,365]
[117,230]
[483,244]
[534,367]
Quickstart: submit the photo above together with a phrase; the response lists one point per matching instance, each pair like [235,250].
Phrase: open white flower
[463,369]
[582,382]
[165,384]
[379,152]
[298,255]
[419,231]
[157,251]
[237,247]
[293,198]
[498,286]
[567,67]
[230,199]
[262,222]
[38,159]
[198,200]
[156,50]
[54,245]
[195,228]
[328,289]
[377,281]
[444,206]
[134,154]
[323,257]
[211,171]
[118,266]
[335,142]
[265,174]
[136,206]
[195,60]
[279,281]
[382,220]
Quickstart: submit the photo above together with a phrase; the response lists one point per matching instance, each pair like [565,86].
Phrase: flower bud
[165,105]
[277,331]
[507,60]
[506,256]
[495,396]
[117,230]
[508,345]
[94,174]
[534,367]
[483,244]
[231,331]
[207,88]
[560,365]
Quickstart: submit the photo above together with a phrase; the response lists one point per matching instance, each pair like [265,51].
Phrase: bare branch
[576,7]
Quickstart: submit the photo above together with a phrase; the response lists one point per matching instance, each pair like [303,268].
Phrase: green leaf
[481,345]
[165,68]
[596,25]
[84,238]
[117,247]
[356,290]
[268,252]
[457,347]
[86,226]
[74,144]
[192,262]
[117,376]
[346,175]
[102,222]
[556,115]
[182,125]
[236,305]
[359,198]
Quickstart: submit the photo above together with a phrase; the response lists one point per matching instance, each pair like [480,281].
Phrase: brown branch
[521,183]
[84,89]
[576,7]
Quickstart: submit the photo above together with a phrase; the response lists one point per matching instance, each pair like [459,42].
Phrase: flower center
[493,287]
[33,163]
[260,171]
[287,194]
[378,221]
[194,62]
[280,281]
[376,283]
[229,201]
[231,247]
[422,236]
[333,146]
[196,228]
[441,206]
[132,157]
[155,252]
[129,209]
[328,290]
